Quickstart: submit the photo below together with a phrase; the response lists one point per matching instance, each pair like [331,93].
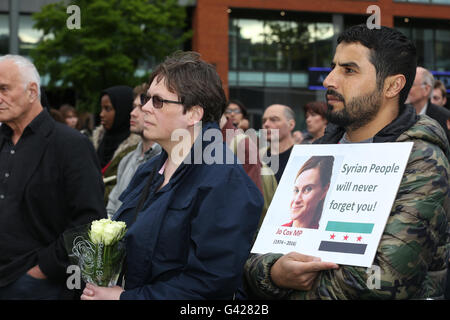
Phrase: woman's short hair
[194,81]
[325,165]
[317,107]
[66,110]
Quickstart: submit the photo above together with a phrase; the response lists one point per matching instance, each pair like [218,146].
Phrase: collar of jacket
[43,124]
[196,153]
[406,118]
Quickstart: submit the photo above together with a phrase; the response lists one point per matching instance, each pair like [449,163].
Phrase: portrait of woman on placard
[310,189]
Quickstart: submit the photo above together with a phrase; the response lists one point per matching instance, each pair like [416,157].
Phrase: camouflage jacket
[414,247]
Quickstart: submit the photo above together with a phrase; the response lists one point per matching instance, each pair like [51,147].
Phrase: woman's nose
[298,197]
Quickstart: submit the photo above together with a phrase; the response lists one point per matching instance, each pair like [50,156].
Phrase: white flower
[106,231]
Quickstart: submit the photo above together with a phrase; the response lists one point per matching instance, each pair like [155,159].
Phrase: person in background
[439,95]
[190,224]
[298,136]
[278,121]
[371,74]
[112,139]
[86,123]
[244,148]
[237,112]
[420,98]
[144,151]
[316,121]
[70,115]
[50,183]
[56,115]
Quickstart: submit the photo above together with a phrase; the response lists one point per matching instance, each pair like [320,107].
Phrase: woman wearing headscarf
[112,139]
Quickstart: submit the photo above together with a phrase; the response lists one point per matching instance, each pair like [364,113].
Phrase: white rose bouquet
[100,251]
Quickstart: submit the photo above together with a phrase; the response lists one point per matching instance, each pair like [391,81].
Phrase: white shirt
[424,109]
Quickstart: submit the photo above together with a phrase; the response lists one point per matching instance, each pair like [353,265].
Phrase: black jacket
[55,184]
[440,114]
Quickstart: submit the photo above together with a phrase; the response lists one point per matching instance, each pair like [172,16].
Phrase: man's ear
[33,92]
[291,124]
[195,114]
[393,85]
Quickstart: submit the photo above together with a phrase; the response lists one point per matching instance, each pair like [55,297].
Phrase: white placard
[337,205]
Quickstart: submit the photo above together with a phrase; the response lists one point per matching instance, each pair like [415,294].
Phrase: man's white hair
[428,79]
[27,70]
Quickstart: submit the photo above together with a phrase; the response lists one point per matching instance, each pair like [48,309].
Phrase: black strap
[144,193]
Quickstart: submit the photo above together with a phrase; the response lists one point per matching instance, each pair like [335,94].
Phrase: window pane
[423,38]
[314,46]
[251,78]
[4,34]
[277,79]
[28,37]
[442,50]
[250,44]
[281,36]
[233,39]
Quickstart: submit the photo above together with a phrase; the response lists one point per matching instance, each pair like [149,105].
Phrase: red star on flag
[332,236]
[359,238]
[345,237]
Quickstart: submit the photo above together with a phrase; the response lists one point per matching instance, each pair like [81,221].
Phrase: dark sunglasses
[156,101]
[229,111]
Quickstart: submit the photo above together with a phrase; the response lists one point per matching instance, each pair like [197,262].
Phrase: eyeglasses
[156,101]
[237,111]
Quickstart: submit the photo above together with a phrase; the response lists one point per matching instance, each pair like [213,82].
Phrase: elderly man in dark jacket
[50,181]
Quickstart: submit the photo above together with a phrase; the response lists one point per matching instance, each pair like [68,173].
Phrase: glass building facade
[273,55]
[28,37]
[432,39]
[270,54]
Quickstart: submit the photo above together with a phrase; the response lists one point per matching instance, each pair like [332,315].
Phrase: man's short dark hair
[140,89]
[194,81]
[391,53]
[438,84]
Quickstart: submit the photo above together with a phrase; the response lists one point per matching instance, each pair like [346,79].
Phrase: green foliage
[115,35]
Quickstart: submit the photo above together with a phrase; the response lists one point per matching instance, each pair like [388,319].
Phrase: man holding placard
[372,72]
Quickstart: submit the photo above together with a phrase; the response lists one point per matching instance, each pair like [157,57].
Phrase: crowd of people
[191,224]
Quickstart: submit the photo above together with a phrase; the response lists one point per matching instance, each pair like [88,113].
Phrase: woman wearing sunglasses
[237,112]
[190,223]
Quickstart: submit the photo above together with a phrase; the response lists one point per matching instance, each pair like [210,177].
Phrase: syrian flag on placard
[346,237]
